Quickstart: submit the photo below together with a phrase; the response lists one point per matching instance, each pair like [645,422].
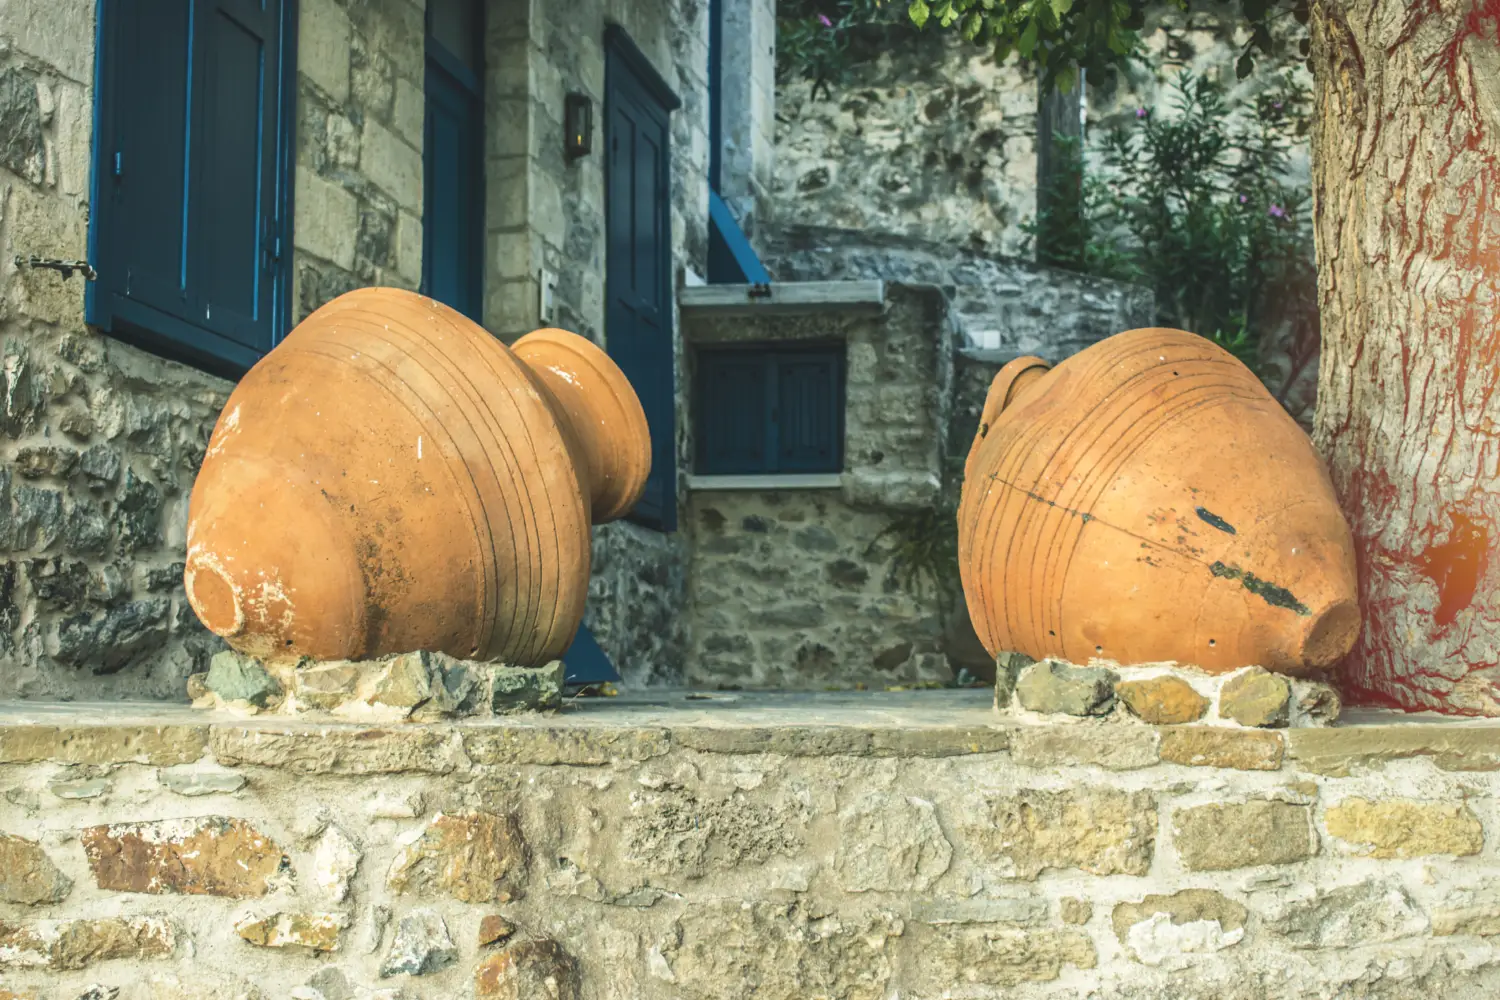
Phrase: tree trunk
[1407,193]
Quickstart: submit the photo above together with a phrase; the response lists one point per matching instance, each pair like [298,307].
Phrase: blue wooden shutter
[453,154]
[734,425]
[809,409]
[191,182]
[638,268]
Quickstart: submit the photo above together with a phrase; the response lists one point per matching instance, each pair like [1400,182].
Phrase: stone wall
[902,845]
[793,588]
[359,179]
[99,442]
[928,138]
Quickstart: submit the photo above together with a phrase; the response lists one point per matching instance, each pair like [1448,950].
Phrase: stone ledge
[638,727]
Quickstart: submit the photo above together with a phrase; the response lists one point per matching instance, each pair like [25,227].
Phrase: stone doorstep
[640,726]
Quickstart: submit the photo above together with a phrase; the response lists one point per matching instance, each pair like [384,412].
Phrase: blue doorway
[453,154]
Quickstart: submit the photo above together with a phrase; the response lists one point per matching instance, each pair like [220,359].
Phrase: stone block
[160,746]
[1076,911]
[1370,912]
[1213,746]
[1094,828]
[206,856]
[476,858]
[318,932]
[194,782]
[70,945]
[890,843]
[55,34]
[507,193]
[27,874]
[409,247]
[420,946]
[409,112]
[537,968]
[493,928]
[339,751]
[1054,687]
[1162,701]
[1256,698]
[1113,747]
[323,47]
[553,745]
[1003,956]
[1480,921]
[1340,751]
[1008,667]
[1160,930]
[392,165]
[327,217]
[1402,828]
[675,831]
[238,678]
[335,861]
[1222,837]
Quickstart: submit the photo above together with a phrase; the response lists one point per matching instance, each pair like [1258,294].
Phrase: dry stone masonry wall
[925,851]
[98,442]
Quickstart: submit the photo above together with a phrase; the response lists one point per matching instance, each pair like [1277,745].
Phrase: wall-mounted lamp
[578,120]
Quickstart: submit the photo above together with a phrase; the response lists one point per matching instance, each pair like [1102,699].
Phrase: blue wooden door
[453,153]
[638,268]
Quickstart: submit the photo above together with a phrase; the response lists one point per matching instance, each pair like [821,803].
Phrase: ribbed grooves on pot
[1040,515]
[512,507]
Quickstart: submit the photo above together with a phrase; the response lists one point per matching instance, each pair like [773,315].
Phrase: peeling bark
[1406,182]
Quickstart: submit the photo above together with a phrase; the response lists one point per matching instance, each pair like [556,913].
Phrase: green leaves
[918,12]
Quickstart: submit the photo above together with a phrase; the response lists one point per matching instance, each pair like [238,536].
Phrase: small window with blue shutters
[770,410]
[190,223]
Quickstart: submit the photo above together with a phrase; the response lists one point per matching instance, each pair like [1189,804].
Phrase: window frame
[771,355]
[142,325]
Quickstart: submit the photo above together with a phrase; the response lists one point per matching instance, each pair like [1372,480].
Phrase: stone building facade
[101,439]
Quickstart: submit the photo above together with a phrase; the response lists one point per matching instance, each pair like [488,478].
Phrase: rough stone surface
[421,946]
[476,857]
[194,783]
[1114,747]
[670,864]
[1163,700]
[1256,697]
[529,969]
[899,845]
[1052,687]
[66,945]
[314,931]
[1222,837]
[1005,956]
[1341,752]
[1369,912]
[27,874]
[1212,746]
[1160,928]
[1096,829]
[212,856]
[238,678]
[1401,828]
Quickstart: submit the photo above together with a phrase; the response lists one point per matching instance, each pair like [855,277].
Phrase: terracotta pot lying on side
[1148,500]
[391,478]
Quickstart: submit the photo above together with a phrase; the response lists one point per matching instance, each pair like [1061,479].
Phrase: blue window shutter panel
[191,186]
[453,167]
[761,410]
[809,432]
[638,268]
[234,151]
[733,414]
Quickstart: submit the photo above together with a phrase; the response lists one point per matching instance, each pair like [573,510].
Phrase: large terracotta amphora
[391,478]
[1147,500]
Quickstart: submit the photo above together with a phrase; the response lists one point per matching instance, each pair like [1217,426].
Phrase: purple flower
[1244,198]
[1278,212]
[1140,112]
[824,18]
[1277,105]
